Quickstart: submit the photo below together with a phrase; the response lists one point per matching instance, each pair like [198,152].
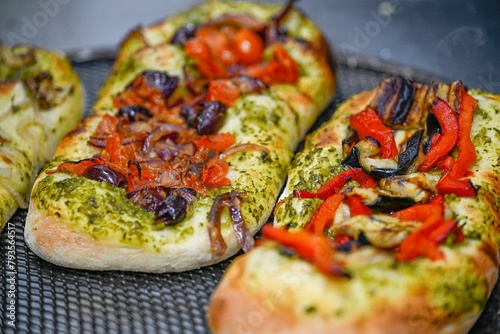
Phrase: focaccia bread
[388,223]
[188,144]
[40,100]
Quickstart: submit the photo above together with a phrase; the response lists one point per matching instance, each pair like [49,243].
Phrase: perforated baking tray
[38,297]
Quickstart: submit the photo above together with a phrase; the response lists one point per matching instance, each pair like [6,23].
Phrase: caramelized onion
[243,147]
[231,200]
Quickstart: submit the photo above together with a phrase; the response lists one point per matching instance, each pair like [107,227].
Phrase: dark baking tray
[44,298]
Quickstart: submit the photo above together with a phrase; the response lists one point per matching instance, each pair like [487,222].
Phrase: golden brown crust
[238,308]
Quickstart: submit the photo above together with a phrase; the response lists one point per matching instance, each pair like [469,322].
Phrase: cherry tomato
[248,46]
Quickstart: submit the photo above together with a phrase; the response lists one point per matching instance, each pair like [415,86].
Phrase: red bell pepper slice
[315,248]
[323,217]
[451,182]
[448,121]
[419,212]
[437,199]
[356,207]
[419,243]
[341,239]
[426,239]
[336,183]
[368,124]
[77,167]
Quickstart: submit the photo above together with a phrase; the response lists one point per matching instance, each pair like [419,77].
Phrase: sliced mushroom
[382,231]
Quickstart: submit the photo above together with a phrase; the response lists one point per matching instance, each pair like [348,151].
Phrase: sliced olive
[162,81]
[211,118]
[106,174]
[190,114]
[132,112]
[146,198]
[184,33]
[172,210]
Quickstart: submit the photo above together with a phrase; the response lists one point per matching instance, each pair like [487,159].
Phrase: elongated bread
[40,101]
[82,223]
[373,287]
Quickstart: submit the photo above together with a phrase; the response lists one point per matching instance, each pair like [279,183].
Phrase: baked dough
[273,290]
[41,99]
[86,224]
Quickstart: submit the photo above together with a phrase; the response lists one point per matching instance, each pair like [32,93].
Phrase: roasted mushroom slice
[380,230]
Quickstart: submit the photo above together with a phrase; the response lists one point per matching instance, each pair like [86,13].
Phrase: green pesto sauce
[315,167]
[100,209]
[296,212]
[453,290]
[459,292]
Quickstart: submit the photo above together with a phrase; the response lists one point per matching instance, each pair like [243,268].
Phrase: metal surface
[38,297]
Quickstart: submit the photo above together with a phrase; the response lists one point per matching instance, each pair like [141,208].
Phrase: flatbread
[274,289]
[41,99]
[81,223]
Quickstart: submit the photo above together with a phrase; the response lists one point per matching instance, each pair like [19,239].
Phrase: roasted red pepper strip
[368,124]
[451,182]
[446,164]
[334,185]
[426,239]
[315,248]
[419,212]
[323,217]
[218,142]
[448,121]
[419,244]
[77,167]
[356,207]
[341,239]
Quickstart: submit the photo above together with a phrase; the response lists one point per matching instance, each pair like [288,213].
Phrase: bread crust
[238,307]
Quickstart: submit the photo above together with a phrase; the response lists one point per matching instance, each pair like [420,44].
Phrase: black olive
[172,210]
[190,114]
[183,34]
[195,169]
[211,118]
[146,198]
[162,81]
[104,173]
[132,111]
